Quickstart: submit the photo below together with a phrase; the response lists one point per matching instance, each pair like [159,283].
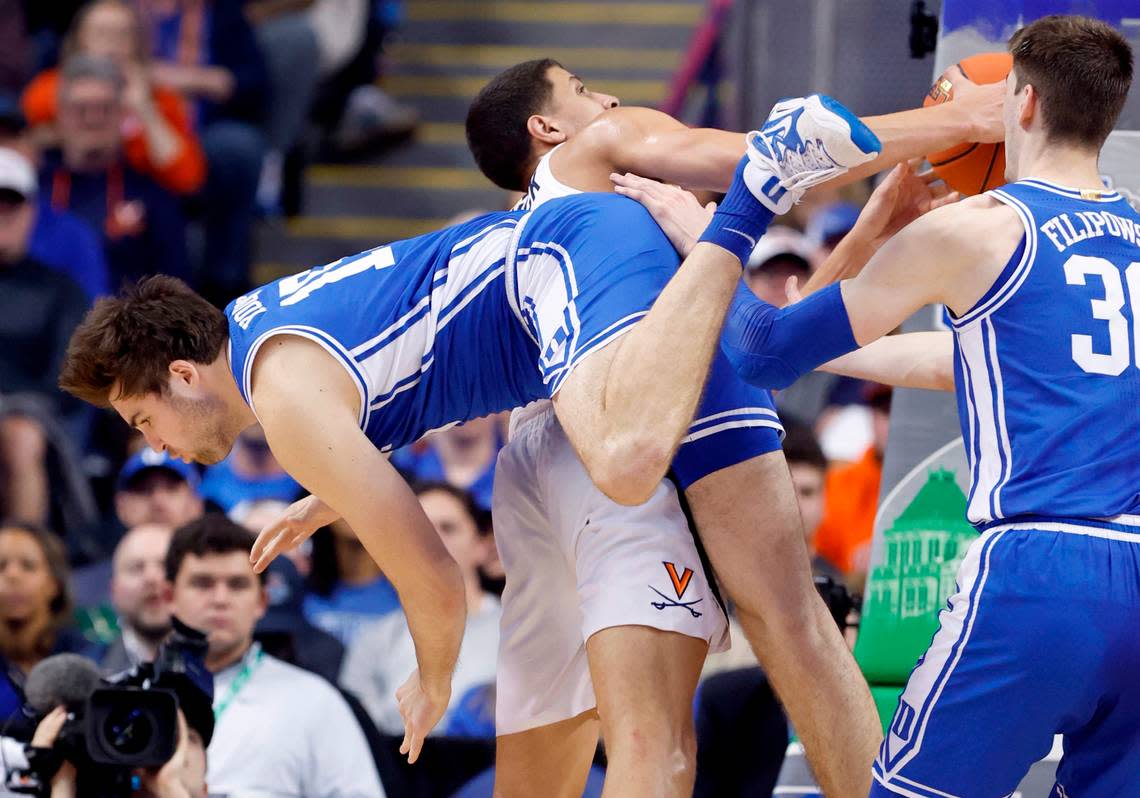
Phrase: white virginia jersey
[544,186]
[1048,362]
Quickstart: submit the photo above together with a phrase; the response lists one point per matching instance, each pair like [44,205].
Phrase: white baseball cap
[782,241]
[16,173]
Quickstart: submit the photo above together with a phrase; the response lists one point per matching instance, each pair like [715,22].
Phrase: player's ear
[1027,104]
[545,129]
[183,371]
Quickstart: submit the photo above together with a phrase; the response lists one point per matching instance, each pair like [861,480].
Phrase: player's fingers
[949,199]
[632,193]
[417,744]
[711,207]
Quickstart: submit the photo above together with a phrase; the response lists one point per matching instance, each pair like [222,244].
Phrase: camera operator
[183,775]
[280,730]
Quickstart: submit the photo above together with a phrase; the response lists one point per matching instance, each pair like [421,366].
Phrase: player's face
[186,421]
[572,104]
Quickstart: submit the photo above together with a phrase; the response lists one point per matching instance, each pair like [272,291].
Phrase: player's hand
[675,210]
[983,104]
[297,523]
[421,707]
[900,199]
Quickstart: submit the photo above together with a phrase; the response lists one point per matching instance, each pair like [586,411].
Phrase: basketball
[970,167]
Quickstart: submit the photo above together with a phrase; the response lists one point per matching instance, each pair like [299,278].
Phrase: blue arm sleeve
[772,347]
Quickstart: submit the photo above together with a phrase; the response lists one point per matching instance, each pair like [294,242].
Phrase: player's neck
[224,376]
[1068,166]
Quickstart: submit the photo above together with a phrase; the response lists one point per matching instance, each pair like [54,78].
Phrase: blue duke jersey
[1048,363]
[491,315]
[421,326]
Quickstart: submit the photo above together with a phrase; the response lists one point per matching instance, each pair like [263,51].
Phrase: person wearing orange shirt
[852,498]
[158,133]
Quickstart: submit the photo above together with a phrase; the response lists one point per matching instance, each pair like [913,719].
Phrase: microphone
[67,679]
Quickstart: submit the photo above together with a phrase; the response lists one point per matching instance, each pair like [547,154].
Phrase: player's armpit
[311,427]
[911,360]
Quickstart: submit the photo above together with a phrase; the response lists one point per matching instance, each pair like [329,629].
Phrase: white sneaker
[806,141]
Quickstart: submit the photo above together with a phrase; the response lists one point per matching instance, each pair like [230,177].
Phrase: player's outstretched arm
[311,426]
[910,360]
[946,256]
[651,143]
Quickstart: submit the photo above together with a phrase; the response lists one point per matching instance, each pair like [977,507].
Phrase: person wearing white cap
[39,308]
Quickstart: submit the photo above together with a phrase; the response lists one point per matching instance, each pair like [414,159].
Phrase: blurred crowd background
[229,142]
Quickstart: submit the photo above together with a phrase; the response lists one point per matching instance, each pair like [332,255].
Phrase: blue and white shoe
[806,141]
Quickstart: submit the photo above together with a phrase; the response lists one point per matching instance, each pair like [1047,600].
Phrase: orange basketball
[971,168]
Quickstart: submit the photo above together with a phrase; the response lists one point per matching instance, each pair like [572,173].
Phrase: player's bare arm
[650,143]
[330,456]
[909,360]
[951,255]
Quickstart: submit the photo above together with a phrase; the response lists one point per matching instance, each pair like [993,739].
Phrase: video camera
[120,723]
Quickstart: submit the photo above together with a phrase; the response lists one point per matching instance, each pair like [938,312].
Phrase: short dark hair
[480,516]
[1082,70]
[213,533]
[801,446]
[496,121]
[131,339]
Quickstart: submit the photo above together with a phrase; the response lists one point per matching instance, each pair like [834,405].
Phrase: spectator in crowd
[808,468]
[141,224]
[463,456]
[844,536]
[155,488]
[158,136]
[781,254]
[829,225]
[383,653]
[140,597]
[60,240]
[35,607]
[346,586]
[250,473]
[39,309]
[280,730]
[15,48]
[285,31]
[206,50]
[287,634]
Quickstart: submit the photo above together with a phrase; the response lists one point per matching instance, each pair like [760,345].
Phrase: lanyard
[61,194]
[251,662]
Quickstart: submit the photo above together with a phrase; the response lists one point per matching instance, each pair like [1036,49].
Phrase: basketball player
[581,300]
[1042,282]
[536,127]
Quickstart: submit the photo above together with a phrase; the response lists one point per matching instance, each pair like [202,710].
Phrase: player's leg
[551,760]
[751,529]
[644,680]
[1028,647]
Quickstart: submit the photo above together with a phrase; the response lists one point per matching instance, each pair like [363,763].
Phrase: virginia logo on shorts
[680,585]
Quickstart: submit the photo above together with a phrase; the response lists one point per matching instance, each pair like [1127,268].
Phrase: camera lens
[129,730]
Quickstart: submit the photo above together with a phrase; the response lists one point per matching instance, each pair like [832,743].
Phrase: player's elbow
[628,468]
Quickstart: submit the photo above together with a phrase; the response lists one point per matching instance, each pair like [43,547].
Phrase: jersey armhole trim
[326,342]
[999,294]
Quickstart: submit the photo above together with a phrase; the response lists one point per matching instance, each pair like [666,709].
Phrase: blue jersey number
[1116,360]
[301,286]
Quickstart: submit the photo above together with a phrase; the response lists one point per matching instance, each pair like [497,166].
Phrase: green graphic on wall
[914,577]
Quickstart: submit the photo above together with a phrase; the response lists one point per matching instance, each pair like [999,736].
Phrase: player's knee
[628,468]
[662,747]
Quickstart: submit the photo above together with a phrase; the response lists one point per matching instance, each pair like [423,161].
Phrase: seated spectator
[383,655]
[140,597]
[158,135]
[463,456]
[35,607]
[844,536]
[808,468]
[346,586]
[279,730]
[39,309]
[141,224]
[250,473]
[829,224]
[60,240]
[155,488]
[206,51]
[287,634]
